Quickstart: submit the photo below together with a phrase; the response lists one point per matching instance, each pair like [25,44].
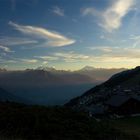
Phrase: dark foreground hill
[125,84]
[21,122]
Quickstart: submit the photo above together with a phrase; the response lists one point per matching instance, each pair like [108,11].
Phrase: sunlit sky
[69,34]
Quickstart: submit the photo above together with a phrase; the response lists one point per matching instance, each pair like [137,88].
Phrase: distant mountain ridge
[46,85]
[51,76]
[87,68]
[46,68]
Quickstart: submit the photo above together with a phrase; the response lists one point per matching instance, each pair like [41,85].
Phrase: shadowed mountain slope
[118,84]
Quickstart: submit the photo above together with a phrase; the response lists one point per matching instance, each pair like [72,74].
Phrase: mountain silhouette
[48,86]
[123,83]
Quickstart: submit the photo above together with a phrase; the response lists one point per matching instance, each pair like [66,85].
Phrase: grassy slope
[129,125]
[20,122]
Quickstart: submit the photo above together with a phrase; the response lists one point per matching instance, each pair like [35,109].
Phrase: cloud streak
[48,58]
[14,41]
[111,18]
[64,56]
[105,55]
[58,11]
[5,61]
[117,52]
[5,49]
[29,60]
[71,56]
[50,38]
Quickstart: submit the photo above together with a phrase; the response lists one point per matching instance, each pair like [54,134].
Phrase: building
[123,105]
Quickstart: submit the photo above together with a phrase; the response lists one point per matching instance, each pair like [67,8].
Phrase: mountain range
[48,86]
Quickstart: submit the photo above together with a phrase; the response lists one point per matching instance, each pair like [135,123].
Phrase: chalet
[123,105]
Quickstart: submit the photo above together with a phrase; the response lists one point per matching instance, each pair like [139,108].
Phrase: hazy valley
[48,86]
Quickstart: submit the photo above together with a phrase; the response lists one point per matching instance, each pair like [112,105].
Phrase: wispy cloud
[135,37]
[111,18]
[106,54]
[58,11]
[136,40]
[71,56]
[6,61]
[29,60]
[117,52]
[51,38]
[115,57]
[5,49]
[64,56]
[13,41]
[104,49]
[48,58]
[90,11]
[17,60]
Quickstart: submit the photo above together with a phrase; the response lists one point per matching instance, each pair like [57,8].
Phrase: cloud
[64,56]
[13,41]
[117,52]
[111,18]
[58,11]
[90,11]
[136,39]
[5,61]
[106,56]
[6,49]
[11,59]
[116,57]
[49,58]
[50,38]
[71,56]
[104,49]
[29,60]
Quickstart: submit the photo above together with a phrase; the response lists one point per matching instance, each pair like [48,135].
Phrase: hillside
[53,123]
[126,83]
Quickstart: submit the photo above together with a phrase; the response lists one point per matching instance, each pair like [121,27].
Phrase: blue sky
[69,34]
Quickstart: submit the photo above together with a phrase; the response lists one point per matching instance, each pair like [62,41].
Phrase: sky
[69,34]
